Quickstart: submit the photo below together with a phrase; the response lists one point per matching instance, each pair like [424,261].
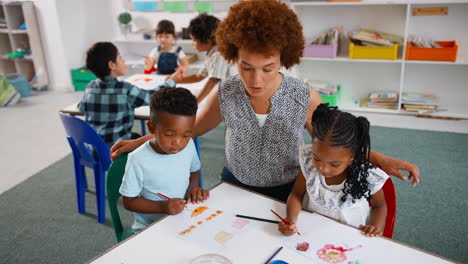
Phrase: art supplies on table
[258,219]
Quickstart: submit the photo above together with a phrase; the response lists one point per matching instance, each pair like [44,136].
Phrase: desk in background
[159,242]
[142,112]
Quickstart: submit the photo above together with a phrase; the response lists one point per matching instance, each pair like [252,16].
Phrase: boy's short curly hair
[261,26]
[165,26]
[203,28]
[98,57]
[177,101]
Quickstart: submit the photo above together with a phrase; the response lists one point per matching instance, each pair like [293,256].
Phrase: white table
[159,243]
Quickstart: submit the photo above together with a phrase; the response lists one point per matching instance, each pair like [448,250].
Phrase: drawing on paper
[199,210]
[142,79]
[304,246]
[239,223]
[222,237]
[333,254]
[196,212]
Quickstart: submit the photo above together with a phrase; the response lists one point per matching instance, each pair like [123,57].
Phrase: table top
[143,81]
[163,241]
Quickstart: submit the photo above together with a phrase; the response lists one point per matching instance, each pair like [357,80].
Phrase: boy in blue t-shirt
[166,164]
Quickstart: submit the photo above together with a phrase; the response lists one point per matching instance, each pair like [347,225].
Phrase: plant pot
[125,29]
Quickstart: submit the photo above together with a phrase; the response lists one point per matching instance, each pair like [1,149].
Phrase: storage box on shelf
[321,51]
[447,52]
[334,99]
[81,77]
[373,52]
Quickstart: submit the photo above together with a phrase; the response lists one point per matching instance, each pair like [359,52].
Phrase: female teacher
[264,111]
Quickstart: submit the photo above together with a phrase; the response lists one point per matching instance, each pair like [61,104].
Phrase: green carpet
[40,223]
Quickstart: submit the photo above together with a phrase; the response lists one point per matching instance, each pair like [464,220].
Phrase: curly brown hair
[261,26]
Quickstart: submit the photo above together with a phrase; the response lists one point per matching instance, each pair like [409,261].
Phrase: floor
[33,137]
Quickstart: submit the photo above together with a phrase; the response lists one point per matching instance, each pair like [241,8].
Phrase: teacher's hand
[393,166]
[123,146]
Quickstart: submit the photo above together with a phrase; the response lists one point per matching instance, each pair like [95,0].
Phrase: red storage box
[448,52]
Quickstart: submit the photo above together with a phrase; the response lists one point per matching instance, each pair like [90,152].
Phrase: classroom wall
[82,24]
[49,27]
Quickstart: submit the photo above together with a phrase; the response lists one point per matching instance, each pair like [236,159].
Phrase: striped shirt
[268,155]
[215,65]
[109,106]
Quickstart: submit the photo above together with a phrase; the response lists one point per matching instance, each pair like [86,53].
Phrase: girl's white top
[326,199]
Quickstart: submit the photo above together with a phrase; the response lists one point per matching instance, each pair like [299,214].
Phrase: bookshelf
[11,38]
[447,80]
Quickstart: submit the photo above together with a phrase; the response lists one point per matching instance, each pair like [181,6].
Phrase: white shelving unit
[448,80]
[11,38]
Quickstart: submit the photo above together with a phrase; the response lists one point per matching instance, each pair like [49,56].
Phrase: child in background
[166,164]
[109,104]
[166,57]
[336,178]
[202,31]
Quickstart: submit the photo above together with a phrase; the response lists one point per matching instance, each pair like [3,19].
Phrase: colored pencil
[284,220]
[258,219]
[276,253]
[163,196]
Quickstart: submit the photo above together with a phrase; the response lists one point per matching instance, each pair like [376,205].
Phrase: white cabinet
[448,80]
[15,14]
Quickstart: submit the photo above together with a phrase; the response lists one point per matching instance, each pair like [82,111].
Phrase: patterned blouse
[264,156]
[326,199]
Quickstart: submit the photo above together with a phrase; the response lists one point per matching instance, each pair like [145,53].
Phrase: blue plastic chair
[89,150]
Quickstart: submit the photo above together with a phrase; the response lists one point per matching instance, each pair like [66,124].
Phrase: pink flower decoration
[332,254]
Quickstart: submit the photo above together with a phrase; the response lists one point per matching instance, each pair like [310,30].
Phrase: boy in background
[109,104]
[166,164]
[202,31]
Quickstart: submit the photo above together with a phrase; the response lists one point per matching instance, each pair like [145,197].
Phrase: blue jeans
[276,192]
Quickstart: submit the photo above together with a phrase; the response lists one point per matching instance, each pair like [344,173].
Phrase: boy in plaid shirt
[109,104]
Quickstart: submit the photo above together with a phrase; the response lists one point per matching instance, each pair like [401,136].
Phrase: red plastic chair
[390,199]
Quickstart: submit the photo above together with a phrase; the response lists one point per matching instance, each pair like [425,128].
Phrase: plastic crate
[373,52]
[334,99]
[81,77]
[321,51]
[448,52]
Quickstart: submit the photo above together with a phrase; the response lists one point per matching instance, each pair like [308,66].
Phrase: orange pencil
[284,220]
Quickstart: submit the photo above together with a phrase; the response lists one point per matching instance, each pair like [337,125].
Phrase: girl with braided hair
[337,178]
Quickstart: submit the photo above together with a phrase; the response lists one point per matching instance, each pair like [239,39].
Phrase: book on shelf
[419,98]
[365,103]
[369,37]
[381,99]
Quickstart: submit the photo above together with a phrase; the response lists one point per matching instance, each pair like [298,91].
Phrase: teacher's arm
[209,115]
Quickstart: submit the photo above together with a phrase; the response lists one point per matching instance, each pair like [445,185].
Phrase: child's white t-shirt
[326,199]
[154,53]
[148,173]
[215,65]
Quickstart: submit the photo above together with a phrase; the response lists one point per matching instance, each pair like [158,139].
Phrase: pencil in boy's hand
[163,196]
[283,220]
